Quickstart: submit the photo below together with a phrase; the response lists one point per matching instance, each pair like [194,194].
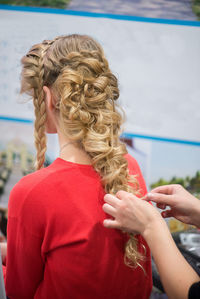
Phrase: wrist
[154,229]
[159,239]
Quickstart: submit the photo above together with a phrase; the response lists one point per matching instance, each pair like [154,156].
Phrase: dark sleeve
[194,291]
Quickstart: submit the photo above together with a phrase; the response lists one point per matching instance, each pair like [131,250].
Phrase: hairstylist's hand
[183,206]
[130,213]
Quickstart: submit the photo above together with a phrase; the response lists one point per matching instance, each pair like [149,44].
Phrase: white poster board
[157,66]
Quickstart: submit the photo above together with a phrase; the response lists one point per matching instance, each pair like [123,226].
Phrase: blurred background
[153,47]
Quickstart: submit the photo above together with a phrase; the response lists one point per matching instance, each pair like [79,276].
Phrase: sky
[169,159]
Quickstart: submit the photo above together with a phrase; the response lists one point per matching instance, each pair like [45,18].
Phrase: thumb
[159,198]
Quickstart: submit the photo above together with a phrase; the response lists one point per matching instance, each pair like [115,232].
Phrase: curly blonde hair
[76,70]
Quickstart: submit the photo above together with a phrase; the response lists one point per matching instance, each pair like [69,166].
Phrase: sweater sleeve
[194,291]
[24,263]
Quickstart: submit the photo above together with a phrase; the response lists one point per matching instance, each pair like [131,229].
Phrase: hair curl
[76,69]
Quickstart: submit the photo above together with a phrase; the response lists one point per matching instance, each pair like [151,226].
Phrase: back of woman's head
[75,69]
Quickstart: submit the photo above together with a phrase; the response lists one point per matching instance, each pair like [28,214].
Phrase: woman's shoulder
[132,164]
[41,188]
[28,187]
[29,181]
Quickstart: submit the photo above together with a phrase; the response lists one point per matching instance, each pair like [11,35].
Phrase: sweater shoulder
[40,190]
[27,188]
[30,181]
[134,169]
[132,164]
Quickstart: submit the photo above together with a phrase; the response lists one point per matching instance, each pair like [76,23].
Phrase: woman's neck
[72,152]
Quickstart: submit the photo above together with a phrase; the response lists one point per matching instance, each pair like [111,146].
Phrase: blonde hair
[76,70]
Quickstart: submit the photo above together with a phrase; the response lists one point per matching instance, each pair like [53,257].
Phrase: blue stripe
[99,15]
[163,139]
[16,119]
[124,135]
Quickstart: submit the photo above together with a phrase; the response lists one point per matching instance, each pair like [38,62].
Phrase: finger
[111,200]
[167,213]
[109,209]
[166,189]
[146,197]
[161,206]
[123,194]
[109,223]
[160,198]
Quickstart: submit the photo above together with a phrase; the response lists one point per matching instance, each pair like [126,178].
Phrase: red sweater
[57,245]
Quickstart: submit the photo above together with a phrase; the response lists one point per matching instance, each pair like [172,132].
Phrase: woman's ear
[48,98]
[50,111]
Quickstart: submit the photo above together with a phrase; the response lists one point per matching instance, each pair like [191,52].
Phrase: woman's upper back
[61,249]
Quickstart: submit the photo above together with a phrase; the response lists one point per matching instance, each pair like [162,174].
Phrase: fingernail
[105,196]
[105,222]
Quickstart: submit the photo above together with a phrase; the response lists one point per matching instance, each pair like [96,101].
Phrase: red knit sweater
[57,245]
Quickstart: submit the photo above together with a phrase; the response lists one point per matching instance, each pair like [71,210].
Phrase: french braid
[32,83]
[85,91]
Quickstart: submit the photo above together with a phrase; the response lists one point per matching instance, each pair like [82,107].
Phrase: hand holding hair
[130,213]
[183,206]
[135,215]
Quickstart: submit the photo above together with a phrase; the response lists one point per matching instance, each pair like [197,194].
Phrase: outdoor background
[171,9]
[153,48]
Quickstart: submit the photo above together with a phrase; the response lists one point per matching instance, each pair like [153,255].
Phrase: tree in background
[191,184]
[196,7]
[44,3]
